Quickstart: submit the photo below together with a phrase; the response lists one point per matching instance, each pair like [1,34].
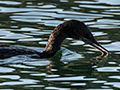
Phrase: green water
[28,23]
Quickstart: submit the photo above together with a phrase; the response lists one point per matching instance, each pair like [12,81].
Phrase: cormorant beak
[96,45]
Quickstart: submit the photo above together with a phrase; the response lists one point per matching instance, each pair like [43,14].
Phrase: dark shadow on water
[82,66]
[75,71]
[78,71]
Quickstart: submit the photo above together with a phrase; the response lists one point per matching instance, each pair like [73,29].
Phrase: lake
[28,23]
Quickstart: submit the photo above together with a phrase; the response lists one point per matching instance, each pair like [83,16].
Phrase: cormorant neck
[54,42]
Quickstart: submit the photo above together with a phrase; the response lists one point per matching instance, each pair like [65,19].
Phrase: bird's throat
[54,42]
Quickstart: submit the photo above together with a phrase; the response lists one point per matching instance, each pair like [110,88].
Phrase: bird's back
[7,51]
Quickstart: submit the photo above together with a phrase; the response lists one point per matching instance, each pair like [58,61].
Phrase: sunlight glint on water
[29,23]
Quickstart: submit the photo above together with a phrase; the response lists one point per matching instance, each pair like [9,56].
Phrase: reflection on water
[29,23]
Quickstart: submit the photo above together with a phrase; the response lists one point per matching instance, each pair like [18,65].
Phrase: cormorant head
[89,39]
[78,30]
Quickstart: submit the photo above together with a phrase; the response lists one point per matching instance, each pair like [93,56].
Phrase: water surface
[29,24]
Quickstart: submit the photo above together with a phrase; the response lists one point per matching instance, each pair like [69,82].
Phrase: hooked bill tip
[96,45]
[101,49]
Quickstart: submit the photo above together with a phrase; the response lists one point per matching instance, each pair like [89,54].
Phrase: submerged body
[7,51]
[73,29]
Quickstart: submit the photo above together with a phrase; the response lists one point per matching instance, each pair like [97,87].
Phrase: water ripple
[13,77]
[6,70]
[20,82]
[14,36]
[111,2]
[10,2]
[108,69]
[31,22]
[75,78]
[99,7]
